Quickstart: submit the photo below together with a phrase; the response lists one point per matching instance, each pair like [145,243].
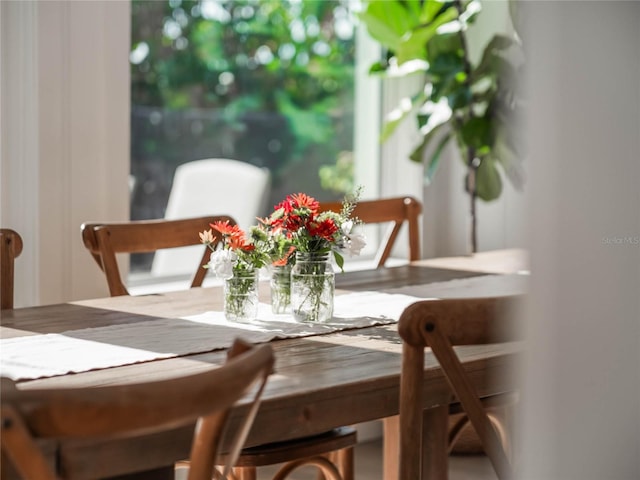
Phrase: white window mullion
[19,185]
[367,108]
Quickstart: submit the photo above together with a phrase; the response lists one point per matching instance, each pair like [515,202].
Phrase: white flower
[346,227]
[354,244]
[221,262]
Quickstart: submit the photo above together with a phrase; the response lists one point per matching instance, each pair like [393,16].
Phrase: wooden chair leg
[327,468]
[346,464]
[391,447]
[344,461]
[245,473]
[435,423]
[455,431]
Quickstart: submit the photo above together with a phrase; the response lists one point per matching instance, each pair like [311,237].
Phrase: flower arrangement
[296,235]
[279,249]
[237,262]
[297,225]
[237,255]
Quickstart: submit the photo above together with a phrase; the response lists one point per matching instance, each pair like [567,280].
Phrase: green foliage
[338,178]
[269,82]
[478,106]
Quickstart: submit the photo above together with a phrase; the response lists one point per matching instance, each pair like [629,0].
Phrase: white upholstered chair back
[210,187]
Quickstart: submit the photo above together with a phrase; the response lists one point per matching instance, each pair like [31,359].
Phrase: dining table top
[321,381]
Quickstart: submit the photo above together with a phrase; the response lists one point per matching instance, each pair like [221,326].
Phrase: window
[267,82]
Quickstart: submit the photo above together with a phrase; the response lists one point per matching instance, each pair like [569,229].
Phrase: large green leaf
[413,44]
[397,116]
[488,181]
[477,133]
[434,160]
[445,64]
[443,86]
[490,55]
[459,96]
[444,43]
[388,22]
[430,140]
[414,8]
[431,8]
[510,161]
[379,67]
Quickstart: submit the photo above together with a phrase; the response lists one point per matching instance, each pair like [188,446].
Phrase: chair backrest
[441,324]
[105,240]
[394,211]
[204,399]
[213,186]
[10,248]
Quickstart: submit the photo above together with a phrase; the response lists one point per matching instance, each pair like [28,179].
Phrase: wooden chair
[395,211]
[105,240]
[331,453]
[203,399]
[10,248]
[441,324]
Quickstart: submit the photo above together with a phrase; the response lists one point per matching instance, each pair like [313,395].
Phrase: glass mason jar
[241,296]
[312,287]
[280,289]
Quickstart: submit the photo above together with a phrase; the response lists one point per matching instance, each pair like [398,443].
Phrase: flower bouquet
[237,263]
[313,236]
[280,250]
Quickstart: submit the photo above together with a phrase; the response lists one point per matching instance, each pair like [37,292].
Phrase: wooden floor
[369,466]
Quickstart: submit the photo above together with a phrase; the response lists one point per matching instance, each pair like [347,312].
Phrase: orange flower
[302,200]
[283,261]
[238,242]
[225,229]
[233,236]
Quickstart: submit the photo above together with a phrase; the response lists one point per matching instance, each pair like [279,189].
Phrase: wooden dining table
[320,382]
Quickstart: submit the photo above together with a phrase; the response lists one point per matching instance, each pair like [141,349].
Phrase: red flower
[324,229]
[293,212]
[302,200]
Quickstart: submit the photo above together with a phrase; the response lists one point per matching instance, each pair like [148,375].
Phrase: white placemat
[47,355]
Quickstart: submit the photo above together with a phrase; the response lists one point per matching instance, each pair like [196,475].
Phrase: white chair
[211,187]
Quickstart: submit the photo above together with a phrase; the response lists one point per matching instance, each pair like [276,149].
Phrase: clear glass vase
[281,289]
[312,288]
[241,297]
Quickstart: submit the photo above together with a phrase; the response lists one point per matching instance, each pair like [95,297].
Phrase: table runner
[484,286]
[47,355]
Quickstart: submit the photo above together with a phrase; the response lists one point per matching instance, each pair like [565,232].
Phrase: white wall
[582,401]
[65,138]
